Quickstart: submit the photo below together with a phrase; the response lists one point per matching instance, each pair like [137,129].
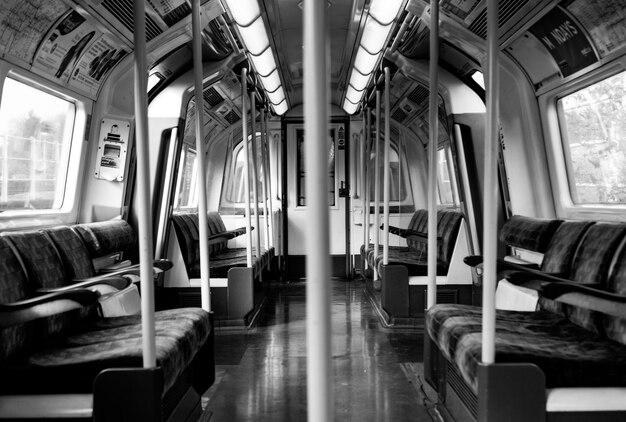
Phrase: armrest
[476,261]
[408,234]
[92,284]
[46,305]
[158,266]
[227,235]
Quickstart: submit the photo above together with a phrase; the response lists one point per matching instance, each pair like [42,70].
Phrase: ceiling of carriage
[285,22]
[79,43]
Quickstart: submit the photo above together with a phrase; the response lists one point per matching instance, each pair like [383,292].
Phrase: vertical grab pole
[318,328]
[246,161]
[377,182]
[386,177]
[255,173]
[205,278]
[490,215]
[265,176]
[268,174]
[146,256]
[366,186]
[433,141]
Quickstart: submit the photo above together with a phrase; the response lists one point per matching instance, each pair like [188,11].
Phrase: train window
[479,78]
[398,191]
[35,140]
[300,186]
[186,192]
[593,123]
[446,185]
[235,188]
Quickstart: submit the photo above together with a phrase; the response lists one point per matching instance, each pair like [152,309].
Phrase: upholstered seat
[568,355]
[70,363]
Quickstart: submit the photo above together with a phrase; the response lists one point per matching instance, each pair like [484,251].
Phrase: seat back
[615,327]
[73,251]
[529,233]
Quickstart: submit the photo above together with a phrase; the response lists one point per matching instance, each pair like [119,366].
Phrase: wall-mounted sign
[112,148]
[565,40]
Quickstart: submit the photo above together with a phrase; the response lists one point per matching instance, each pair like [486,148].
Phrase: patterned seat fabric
[414,256]
[528,233]
[106,237]
[573,345]
[221,257]
[568,355]
[74,254]
[70,364]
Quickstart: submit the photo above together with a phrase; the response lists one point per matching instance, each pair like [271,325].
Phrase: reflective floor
[261,372]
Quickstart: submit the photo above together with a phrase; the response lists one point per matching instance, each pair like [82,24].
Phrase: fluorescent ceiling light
[365,61]
[276,97]
[385,11]
[255,37]
[349,108]
[243,11]
[353,95]
[281,108]
[271,82]
[264,63]
[374,36]
[359,81]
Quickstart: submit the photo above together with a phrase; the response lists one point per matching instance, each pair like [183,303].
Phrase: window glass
[594,141]
[398,191]
[301,183]
[186,192]
[35,139]
[235,187]
[446,183]
[478,77]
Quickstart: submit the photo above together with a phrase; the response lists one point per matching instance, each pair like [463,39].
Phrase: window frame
[193,188]
[68,211]
[554,136]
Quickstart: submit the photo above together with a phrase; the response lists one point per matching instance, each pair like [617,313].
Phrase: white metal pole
[268,175]
[433,141]
[246,161]
[386,178]
[255,173]
[366,180]
[318,328]
[490,216]
[144,209]
[265,176]
[376,228]
[205,277]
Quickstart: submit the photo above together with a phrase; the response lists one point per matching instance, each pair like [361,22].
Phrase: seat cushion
[70,364]
[568,355]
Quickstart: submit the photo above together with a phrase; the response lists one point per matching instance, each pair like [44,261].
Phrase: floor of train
[261,372]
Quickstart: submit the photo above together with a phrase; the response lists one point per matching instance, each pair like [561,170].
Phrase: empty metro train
[384,210]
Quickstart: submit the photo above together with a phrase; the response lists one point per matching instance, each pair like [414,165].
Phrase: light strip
[381,16]
[264,63]
[271,82]
[252,30]
[281,108]
[244,12]
[277,96]
[255,37]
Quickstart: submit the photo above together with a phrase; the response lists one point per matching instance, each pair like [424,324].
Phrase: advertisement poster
[23,24]
[163,7]
[95,63]
[63,46]
[565,40]
[603,20]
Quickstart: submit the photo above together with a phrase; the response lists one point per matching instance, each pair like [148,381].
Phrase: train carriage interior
[381,210]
